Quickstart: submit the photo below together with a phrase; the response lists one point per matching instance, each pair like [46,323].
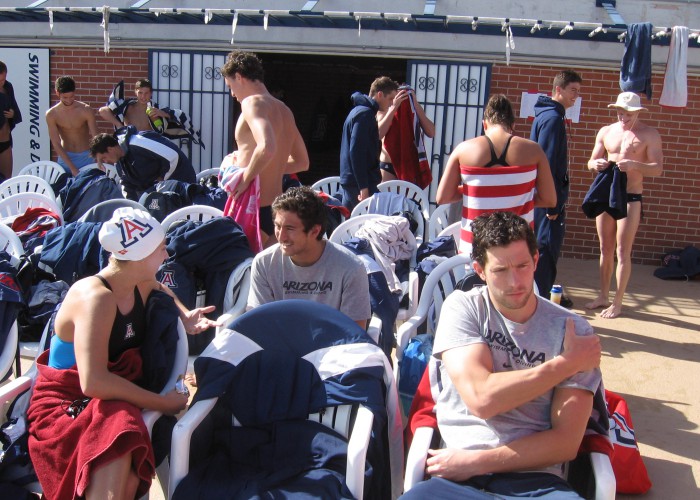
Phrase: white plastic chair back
[50,171]
[328,185]
[452,229]
[109,170]
[440,283]
[25,184]
[410,191]
[346,230]
[194,212]
[10,242]
[7,356]
[206,173]
[439,220]
[17,204]
[363,207]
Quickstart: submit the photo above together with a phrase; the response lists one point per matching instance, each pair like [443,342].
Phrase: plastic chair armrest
[149,418]
[182,435]
[407,330]
[417,455]
[357,451]
[412,293]
[375,328]
[11,390]
[605,484]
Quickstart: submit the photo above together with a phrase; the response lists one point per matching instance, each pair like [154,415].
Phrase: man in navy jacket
[549,131]
[360,146]
[142,159]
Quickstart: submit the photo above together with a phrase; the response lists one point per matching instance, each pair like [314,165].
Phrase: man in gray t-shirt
[517,376]
[305,266]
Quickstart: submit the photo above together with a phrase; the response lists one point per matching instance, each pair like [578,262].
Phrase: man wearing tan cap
[636,150]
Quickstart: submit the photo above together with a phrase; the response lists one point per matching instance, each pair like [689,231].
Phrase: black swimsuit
[128,329]
[498,160]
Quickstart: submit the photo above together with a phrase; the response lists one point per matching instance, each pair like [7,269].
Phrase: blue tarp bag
[415,360]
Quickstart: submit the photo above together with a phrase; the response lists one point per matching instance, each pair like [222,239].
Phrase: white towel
[675,92]
[391,240]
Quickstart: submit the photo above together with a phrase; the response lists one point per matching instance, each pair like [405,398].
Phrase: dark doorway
[317,89]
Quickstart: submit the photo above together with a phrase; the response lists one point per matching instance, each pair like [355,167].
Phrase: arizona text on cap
[629,101]
[131,234]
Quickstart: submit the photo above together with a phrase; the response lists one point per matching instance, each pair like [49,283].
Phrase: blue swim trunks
[79,160]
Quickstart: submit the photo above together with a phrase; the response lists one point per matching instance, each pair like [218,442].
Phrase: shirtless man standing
[385,119]
[636,149]
[136,113]
[71,126]
[269,143]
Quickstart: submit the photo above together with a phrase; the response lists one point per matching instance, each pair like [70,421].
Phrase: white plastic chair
[10,243]
[25,184]
[601,466]
[438,285]
[228,346]
[17,204]
[328,185]
[410,191]
[50,171]
[199,213]
[439,220]
[453,229]
[362,208]
[206,173]
[347,230]
[7,356]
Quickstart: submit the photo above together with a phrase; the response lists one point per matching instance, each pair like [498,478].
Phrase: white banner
[28,72]
[529,99]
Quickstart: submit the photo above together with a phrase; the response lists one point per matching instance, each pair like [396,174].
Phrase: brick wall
[96,73]
[671,202]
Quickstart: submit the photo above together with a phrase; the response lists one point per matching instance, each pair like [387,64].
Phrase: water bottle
[555,294]
[157,121]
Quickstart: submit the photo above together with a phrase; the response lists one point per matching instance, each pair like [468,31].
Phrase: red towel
[404,143]
[66,451]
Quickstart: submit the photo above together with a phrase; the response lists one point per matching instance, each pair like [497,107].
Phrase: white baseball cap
[629,101]
[131,234]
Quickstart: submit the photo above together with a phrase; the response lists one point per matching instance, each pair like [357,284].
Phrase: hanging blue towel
[635,69]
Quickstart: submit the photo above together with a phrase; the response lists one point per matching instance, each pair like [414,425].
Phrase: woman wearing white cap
[91,365]
[635,148]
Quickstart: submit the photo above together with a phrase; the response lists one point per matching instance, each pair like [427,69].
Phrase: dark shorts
[4,146]
[267,225]
[634,197]
[387,167]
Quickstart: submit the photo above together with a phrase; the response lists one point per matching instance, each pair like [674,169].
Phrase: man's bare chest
[626,145]
[72,119]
